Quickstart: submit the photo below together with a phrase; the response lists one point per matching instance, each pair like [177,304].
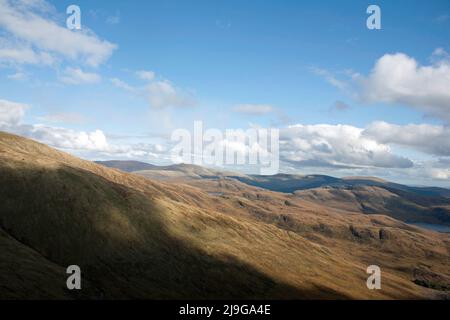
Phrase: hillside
[359,194]
[138,238]
[401,205]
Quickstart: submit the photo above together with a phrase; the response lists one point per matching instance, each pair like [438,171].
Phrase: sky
[347,100]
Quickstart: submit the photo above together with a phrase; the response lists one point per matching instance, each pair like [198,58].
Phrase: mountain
[292,183]
[366,195]
[127,166]
[134,237]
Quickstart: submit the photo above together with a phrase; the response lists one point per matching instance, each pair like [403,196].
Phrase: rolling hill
[134,237]
[358,194]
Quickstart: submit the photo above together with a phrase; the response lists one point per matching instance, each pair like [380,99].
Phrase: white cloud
[342,150]
[329,149]
[93,143]
[430,139]
[337,146]
[11,116]
[28,22]
[22,54]
[145,75]
[253,109]
[11,113]
[66,138]
[78,76]
[398,78]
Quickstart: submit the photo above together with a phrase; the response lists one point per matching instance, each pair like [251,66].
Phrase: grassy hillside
[137,238]
[358,194]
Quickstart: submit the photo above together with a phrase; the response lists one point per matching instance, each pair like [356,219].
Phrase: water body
[434,227]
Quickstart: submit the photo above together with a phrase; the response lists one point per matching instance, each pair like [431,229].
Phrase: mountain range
[186,232]
[366,195]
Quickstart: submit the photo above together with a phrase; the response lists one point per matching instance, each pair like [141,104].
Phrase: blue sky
[301,58]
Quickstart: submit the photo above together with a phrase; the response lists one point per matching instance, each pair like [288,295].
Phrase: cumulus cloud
[78,76]
[94,142]
[253,109]
[66,138]
[328,149]
[11,116]
[34,36]
[398,78]
[336,146]
[430,139]
[347,150]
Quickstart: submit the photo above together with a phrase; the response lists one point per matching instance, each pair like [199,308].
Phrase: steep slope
[136,238]
[27,274]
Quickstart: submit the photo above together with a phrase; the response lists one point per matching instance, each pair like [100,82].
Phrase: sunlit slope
[136,238]
[359,194]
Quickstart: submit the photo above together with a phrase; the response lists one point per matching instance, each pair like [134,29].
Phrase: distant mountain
[217,238]
[402,205]
[292,183]
[367,195]
[169,172]
[280,182]
[127,165]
